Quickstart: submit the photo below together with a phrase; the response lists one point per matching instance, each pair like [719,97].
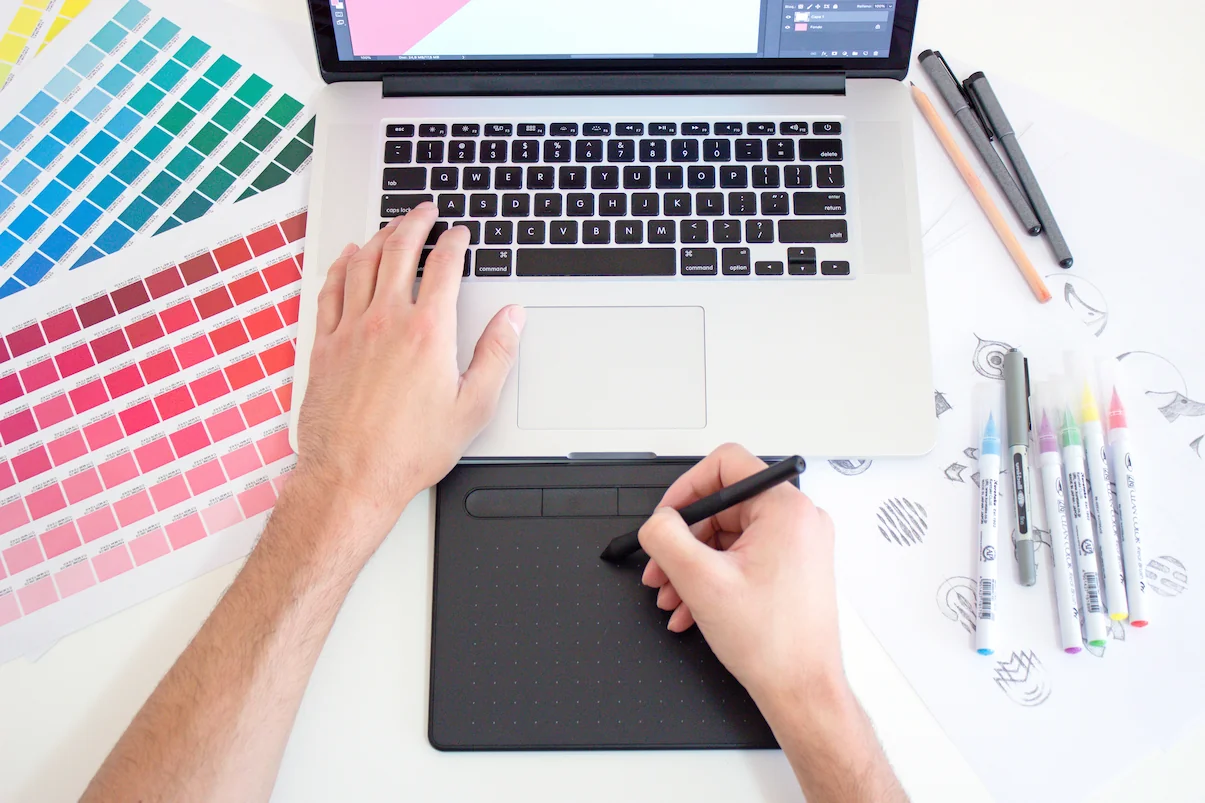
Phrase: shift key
[397,205]
[813,231]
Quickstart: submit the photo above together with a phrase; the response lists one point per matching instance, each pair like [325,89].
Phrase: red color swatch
[244,372]
[52,412]
[39,375]
[265,240]
[260,409]
[232,254]
[74,360]
[31,463]
[10,388]
[144,331]
[26,340]
[126,380]
[190,439]
[209,387]
[17,426]
[282,273]
[228,337]
[139,417]
[102,433]
[294,227]
[198,268]
[289,309]
[59,540]
[214,302]
[194,351]
[119,470]
[95,311]
[67,448]
[131,296]
[181,315]
[159,366]
[106,347]
[83,485]
[263,323]
[185,531]
[247,288]
[59,326]
[173,403]
[88,396]
[164,282]
[278,358]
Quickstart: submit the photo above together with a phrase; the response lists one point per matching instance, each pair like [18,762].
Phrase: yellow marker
[1107,542]
[1089,412]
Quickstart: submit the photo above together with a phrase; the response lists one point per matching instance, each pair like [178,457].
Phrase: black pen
[783,471]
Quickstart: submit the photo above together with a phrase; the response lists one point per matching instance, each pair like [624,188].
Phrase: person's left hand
[387,412]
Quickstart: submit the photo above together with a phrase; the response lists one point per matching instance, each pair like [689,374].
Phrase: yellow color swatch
[72,8]
[56,28]
[11,47]
[25,21]
[5,69]
[36,3]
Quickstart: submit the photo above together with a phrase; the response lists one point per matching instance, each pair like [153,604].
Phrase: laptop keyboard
[592,199]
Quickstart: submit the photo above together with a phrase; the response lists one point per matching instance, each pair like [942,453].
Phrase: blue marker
[989,526]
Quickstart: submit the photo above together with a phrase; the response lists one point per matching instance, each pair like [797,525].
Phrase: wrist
[813,707]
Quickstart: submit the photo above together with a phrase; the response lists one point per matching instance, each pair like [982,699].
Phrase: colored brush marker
[1096,454]
[1127,492]
[989,523]
[1092,612]
[1056,518]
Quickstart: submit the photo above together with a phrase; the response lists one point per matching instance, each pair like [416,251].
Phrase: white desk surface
[360,734]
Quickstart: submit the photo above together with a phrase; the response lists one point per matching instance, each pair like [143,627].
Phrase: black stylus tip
[1068,262]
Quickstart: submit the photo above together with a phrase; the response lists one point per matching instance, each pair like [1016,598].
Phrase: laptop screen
[526,30]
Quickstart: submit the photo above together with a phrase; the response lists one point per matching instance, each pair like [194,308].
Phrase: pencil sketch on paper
[1023,679]
[971,452]
[1196,445]
[954,472]
[903,521]
[941,403]
[1117,632]
[958,601]
[850,468]
[1084,299]
[1163,383]
[1166,576]
[989,358]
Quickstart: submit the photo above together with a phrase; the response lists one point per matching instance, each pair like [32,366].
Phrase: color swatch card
[31,25]
[143,417]
[139,118]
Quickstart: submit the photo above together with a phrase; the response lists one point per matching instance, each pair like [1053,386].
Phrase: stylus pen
[1016,402]
[943,78]
[783,471]
[997,124]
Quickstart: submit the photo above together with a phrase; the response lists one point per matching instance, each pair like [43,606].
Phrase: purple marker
[1056,520]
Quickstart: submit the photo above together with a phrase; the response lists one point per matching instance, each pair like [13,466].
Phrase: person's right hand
[758,579]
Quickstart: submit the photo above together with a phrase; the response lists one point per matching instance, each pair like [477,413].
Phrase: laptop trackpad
[613,368]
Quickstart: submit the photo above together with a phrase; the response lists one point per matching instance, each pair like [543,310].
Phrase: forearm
[216,726]
[832,746]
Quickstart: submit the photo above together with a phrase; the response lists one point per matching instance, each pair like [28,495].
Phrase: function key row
[794,128]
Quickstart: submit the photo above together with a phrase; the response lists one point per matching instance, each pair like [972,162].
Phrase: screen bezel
[333,70]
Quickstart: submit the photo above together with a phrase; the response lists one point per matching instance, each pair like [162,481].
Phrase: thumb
[493,359]
[690,565]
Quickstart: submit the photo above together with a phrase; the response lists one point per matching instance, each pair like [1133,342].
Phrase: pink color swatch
[67,448]
[225,424]
[169,492]
[112,563]
[275,447]
[146,548]
[46,501]
[222,515]
[205,477]
[155,454]
[75,579]
[256,500]
[97,524]
[133,508]
[8,609]
[12,516]
[185,531]
[52,412]
[20,557]
[82,485]
[60,539]
[36,596]
[102,433]
[31,463]
[118,470]
[241,461]
[384,28]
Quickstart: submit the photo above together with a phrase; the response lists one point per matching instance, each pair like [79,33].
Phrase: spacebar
[596,262]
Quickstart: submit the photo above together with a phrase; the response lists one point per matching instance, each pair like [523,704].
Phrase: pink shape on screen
[148,547]
[75,579]
[112,563]
[392,27]
[9,611]
[36,596]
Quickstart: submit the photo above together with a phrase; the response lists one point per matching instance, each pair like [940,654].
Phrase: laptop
[709,211]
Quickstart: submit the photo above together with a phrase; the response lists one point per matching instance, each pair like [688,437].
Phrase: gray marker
[949,88]
[996,121]
[1016,408]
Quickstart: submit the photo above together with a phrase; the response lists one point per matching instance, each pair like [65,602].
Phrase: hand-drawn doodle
[1117,632]
[989,357]
[903,521]
[1023,678]
[954,472]
[1084,299]
[1166,576]
[1163,383]
[942,404]
[971,452]
[958,601]
[1173,405]
[850,468]
[1196,446]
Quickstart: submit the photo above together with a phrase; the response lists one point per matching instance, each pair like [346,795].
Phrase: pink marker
[1056,519]
[1127,499]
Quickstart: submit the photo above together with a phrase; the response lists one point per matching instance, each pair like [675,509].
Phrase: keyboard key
[637,177]
[399,153]
[508,178]
[734,176]
[483,205]
[499,232]
[700,178]
[736,262]
[604,178]
[596,130]
[476,178]
[834,268]
[765,176]
[775,203]
[531,129]
[749,150]
[436,230]
[531,232]
[541,178]
[700,261]
[677,204]
[548,204]
[474,227]
[525,151]
[596,262]
[580,204]
[729,129]
[445,178]
[813,231]
[621,150]
[801,261]
[726,231]
[759,231]
[799,176]
[433,130]
[404,178]
[493,262]
[830,177]
[466,130]
[669,178]
[629,232]
[572,178]
[808,204]
[662,231]
[613,204]
[820,150]
[693,232]
[768,268]
[630,129]
[654,150]
[685,150]
[499,129]
[557,150]
[826,128]
[646,204]
[493,151]
[397,205]
[742,203]
[710,204]
[596,232]
[399,130]
[761,128]
[426,254]
[563,232]
[663,129]
[451,205]
[780,150]
[563,129]
[797,129]
[588,150]
[717,150]
[430,151]
[516,204]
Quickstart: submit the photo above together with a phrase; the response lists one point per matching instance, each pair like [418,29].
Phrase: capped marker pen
[989,522]
[1016,400]
[1092,612]
[1127,493]
[1066,604]
[1096,455]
